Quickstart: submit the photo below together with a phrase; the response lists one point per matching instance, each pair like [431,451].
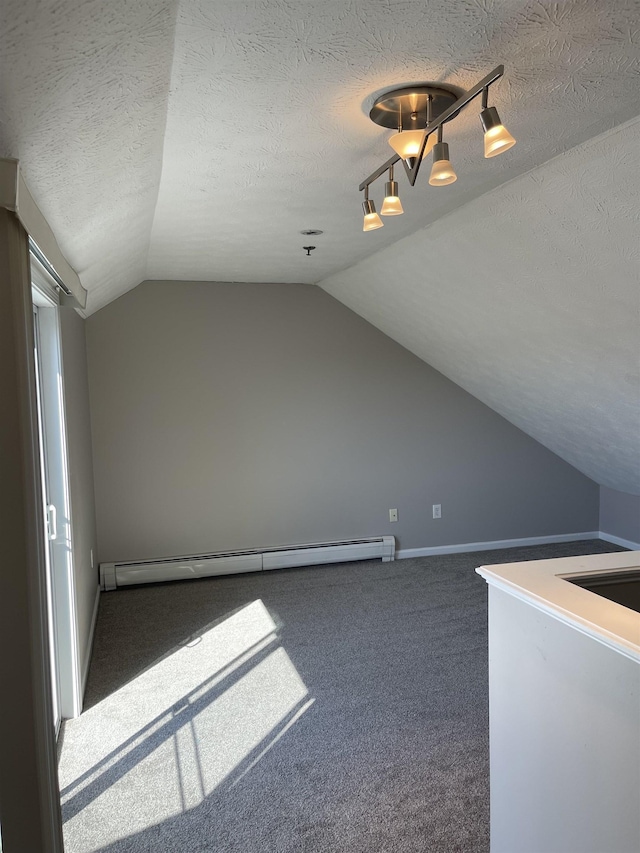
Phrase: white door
[63,628]
[51,525]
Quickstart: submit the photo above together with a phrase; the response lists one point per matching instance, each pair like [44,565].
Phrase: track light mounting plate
[407,107]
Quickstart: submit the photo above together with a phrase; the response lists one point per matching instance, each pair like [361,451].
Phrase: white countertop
[541,583]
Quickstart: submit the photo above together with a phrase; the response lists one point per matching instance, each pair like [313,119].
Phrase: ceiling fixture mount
[308,250]
[418,114]
[410,111]
[311,232]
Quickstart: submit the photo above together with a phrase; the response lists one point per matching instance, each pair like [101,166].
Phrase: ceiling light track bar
[412,171]
[379,172]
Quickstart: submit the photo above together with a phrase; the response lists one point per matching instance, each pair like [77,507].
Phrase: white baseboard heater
[114,575]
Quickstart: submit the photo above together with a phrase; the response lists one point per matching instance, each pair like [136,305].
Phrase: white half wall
[564,735]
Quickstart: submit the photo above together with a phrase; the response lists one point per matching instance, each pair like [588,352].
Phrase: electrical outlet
[437,510]
[393,515]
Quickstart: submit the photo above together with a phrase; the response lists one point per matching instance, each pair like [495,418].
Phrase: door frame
[29,797]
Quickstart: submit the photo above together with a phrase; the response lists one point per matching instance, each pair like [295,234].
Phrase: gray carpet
[329,709]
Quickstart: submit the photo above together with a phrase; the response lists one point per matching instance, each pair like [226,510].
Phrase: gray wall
[244,415]
[76,386]
[620,514]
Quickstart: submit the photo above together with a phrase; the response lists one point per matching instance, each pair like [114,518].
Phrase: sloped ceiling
[195,139]
[83,104]
[529,298]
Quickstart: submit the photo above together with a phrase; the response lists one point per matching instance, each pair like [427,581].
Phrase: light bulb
[497,140]
[496,136]
[407,143]
[371,218]
[371,222]
[391,206]
[442,172]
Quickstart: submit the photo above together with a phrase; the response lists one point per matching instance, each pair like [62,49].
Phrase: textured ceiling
[529,298]
[268,130]
[195,139]
[83,102]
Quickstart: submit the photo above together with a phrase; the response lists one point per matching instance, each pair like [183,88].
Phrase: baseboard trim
[407,553]
[617,540]
[89,646]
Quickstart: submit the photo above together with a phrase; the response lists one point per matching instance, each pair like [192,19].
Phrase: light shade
[371,222]
[407,143]
[391,206]
[442,172]
[496,136]
[371,218]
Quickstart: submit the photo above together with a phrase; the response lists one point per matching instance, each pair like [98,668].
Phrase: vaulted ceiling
[196,139]
[529,298]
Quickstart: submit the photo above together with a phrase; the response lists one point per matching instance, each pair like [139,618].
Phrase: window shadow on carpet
[167,739]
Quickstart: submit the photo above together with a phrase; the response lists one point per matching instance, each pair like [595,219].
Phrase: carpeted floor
[331,709]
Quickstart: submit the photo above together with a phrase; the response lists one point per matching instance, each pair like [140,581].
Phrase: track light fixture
[496,136]
[391,206]
[442,172]
[371,218]
[408,143]
[418,114]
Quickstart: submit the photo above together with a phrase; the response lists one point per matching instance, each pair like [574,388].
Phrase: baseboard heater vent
[114,575]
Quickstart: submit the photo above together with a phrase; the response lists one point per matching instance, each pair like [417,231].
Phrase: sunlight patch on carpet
[201,715]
